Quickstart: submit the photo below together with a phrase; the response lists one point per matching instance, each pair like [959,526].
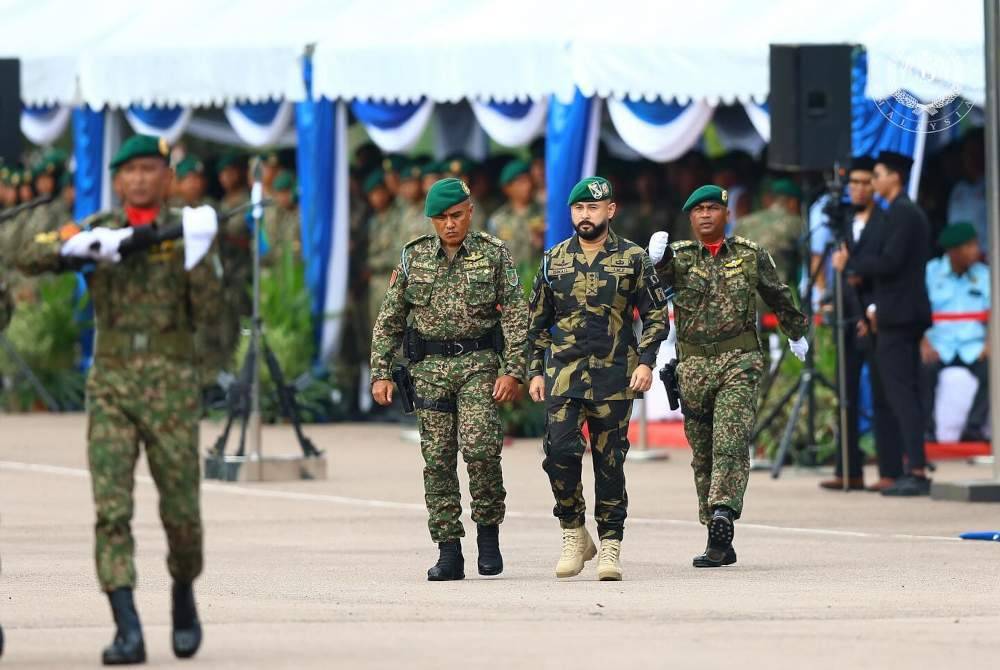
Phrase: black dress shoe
[715,558]
[450,565]
[972,435]
[909,486]
[186,635]
[128,646]
[490,560]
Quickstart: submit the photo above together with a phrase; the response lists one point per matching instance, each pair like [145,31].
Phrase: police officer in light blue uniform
[958,286]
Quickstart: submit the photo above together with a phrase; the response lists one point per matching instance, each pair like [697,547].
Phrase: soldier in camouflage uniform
[143,386]
[582,303]
[516,221]
[281,221]
[449,286]
[410,203]
[383,240]
[715,281]
[778,228]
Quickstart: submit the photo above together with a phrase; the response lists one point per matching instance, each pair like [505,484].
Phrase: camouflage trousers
[151,400]
[719,398]
[564,446]
[474,429]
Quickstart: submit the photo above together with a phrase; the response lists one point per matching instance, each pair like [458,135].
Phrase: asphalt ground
[331,574]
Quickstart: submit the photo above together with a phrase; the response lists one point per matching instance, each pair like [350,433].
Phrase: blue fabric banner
[565,148]
[384,115]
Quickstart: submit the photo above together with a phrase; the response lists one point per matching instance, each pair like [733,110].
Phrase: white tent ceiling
[207,52]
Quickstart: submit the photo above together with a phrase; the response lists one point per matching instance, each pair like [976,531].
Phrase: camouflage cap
[284,181]
[590,189]
[706,193]
[375,179]
[513,170]
[443,194]
[190,164]
[140,146]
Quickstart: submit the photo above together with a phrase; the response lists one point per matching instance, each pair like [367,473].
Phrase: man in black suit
[900,313]
[864,236]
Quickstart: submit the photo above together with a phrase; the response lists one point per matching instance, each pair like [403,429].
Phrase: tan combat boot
[577,549]
[608,567]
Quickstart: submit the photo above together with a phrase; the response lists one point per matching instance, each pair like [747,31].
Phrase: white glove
[658,246]
[79,246]
[200,227]
[109,241]
[799,347]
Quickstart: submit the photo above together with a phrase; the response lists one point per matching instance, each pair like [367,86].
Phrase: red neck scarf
[141,216]
[713,248]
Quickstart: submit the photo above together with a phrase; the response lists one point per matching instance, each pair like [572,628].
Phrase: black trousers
[898,354]
[980,402]
[888,445]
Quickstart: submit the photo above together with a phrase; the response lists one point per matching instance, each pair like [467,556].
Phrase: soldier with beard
[581,316]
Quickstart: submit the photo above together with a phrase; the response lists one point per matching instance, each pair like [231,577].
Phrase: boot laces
[610,552]
[569,542]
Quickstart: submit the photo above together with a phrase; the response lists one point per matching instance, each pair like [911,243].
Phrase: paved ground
[331,574]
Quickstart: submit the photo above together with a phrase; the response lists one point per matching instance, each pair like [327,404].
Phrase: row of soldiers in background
[41,200]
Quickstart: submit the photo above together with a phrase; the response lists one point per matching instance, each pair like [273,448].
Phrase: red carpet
[670,435]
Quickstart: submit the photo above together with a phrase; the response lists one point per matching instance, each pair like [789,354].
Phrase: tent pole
[992,17]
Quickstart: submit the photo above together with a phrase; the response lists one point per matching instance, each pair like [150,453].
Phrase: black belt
[458,347]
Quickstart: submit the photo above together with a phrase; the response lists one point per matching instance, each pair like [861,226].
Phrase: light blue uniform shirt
[950,293]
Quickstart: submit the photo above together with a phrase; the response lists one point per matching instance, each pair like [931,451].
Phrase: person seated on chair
[959,289]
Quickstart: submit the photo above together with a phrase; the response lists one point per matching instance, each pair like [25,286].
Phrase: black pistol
[668,375]
[404,384]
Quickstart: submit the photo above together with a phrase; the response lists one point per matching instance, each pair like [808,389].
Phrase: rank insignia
[393,277]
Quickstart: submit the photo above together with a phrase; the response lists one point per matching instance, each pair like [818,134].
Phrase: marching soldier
[466,355]
[582,303]
[715,280]
[143,387]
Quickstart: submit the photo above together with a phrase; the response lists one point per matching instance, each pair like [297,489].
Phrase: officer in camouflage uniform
[582,303]
[714,281]
[449,287]
[516,220]
[383,240]
[143,386]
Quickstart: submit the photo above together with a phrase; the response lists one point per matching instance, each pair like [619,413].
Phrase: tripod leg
[773,414]
[29,374]
[793,419]
[246,379]
[286,399]
[769,380]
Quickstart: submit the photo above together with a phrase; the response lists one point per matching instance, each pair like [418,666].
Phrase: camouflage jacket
[516,230]
[581,314]
[145,302]
[779,233]
[383,240]
[714,297]
[412,221]
[452,300]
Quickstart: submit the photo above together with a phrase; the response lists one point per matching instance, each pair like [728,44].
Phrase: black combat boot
[490,560]
[128,646]
[719,552]
[186,637]
[450,565]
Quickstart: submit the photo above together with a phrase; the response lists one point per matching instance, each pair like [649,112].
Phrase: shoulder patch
[745,242]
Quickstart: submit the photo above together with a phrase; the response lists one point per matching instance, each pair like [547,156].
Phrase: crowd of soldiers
[41,200]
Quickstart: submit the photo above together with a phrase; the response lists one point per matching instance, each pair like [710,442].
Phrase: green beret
[432,167]
[411,171]
[229,159]
[140,146]
[52,162]
[513,170]
[443,194]
[66,180]
[190,164]
[590,189]
[457,166]
[285,181]
[706,193]
[956,234]
[269,157]
[373,181]
[394,163]
[785,187]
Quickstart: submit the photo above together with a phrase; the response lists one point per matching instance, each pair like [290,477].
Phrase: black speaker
[10,110]
[810,105]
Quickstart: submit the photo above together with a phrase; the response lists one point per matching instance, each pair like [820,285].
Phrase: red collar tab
[141,216]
